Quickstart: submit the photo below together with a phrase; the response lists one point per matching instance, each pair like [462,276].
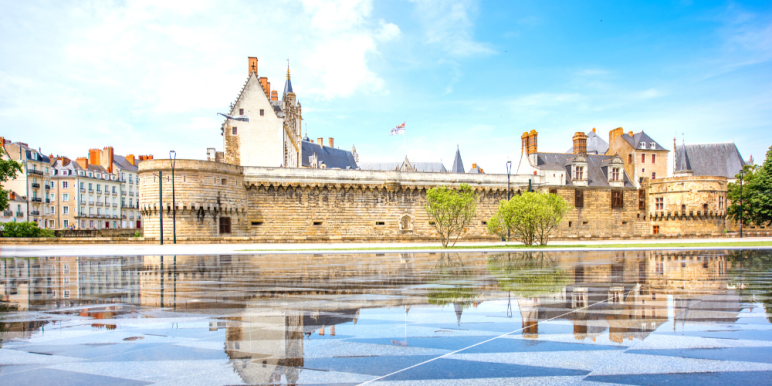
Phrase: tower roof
[458,165]
[288,83]
[682,158]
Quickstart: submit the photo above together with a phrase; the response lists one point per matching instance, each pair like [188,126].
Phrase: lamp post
[173,159]
[509,171]
[742,213]
[161,204]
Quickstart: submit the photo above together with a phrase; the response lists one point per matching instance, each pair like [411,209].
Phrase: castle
[270,184]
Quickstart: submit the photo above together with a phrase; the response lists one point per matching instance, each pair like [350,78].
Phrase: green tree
[527,274]
[25,229]
[756,194]
[451,211]
[8,170]
[456,283]
[530,217]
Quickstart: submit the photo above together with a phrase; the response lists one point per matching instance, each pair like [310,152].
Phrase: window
[616,199]
[580,172]
[655,230]
[641,200]
[643,158]
[629,158]
[65,210]
[380,223]
[241,111]
[66,223]
[82,186]
[262,112]
[90,222]
[683,208]
[113,189]
[705,207]
[579,198]
[721,203]
[64,184]
[553,191]
[653,175]
[234,130]
[614,174]
[653,158]
[660,203]
[225,181]
[225,225]
[66,293]
[317,223]
[65,197]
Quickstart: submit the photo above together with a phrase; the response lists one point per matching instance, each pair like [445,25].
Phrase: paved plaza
[570,317]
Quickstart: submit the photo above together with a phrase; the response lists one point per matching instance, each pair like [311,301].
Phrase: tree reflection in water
[749,272]
[457,284]
[527,274]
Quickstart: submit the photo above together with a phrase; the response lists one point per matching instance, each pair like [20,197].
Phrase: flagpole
[404,139]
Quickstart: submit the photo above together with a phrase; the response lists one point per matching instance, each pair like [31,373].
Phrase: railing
[91,202]
[48,200]
[99,203]
[47,187]
[82,189]
[19,214]
[131,193]
[36,199]
[123,216]
[35,213]
[99,191]
[115,193]
[123,193]
[38,172]
[115,204]
[115,216]
[9,213]
[35,185]
[91,190]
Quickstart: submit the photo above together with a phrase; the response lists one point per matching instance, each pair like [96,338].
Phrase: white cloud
[450,25]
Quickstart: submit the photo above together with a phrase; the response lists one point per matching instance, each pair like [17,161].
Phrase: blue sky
[147,76]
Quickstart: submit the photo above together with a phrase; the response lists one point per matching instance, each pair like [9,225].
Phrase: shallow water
[632,317]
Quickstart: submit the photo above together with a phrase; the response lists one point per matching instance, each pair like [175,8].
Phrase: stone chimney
[274,95]
[331,140]
[630,133]
[268,89]
[613,134]
[252,65]
[580,143]
[83,162]
[320,140]
[107,158]
[533,145]
[474,166]
[94,156]
[264,83]
[131,159]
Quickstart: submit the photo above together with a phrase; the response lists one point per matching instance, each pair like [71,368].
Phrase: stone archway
[406,223]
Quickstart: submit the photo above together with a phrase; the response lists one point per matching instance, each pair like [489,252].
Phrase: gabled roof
[458,165]
[423,167]
[333,158]
[595,144]
[682,160]
[596,175]
[124,164]
[712,159]
[637,138]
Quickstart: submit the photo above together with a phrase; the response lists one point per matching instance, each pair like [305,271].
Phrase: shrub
[529,217]
[451,211]
[25,229]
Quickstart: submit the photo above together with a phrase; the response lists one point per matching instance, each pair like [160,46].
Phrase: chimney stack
[107,158]
[321,141]
[630,133]
[83,162]
[580,143]
[94,156]
[131,160]
[264,83]
[274,95]
[252,65]
[533,145]
[613,134]
[331,141]
[268,89]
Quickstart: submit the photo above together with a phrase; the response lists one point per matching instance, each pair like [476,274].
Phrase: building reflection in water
[269,305]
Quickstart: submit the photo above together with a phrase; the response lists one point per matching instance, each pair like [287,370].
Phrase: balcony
[131,193]
[35,213]
[91,202]
[123,216]
[91,190]
[38,172]
[99,191]
[115,216]
[99,203]
[19,214]
[9,213]
[82,189]
[36,199]
[115,193]
[35,185]
[123,193]
[115,204]
[48,200]
[47,187]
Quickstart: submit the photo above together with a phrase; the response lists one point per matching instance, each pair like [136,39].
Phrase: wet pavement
[592,317]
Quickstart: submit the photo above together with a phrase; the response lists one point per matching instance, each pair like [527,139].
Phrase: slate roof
[682,160]
[333,158]
[287,86]
[637,138]
[595,144]
[475,171]
[124,164]
[458,165]
[424,167]
[596,176]
[712,159]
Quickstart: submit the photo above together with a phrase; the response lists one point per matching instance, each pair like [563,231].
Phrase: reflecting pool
[626,317]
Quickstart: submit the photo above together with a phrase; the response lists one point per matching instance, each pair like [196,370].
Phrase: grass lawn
[519,246]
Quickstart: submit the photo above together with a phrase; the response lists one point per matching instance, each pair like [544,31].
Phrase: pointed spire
[459,308]
[458,165]
[288,74]
[683,164]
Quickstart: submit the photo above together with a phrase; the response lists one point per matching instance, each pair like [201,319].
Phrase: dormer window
[615,174]
[652,145]
[642,145]
[580,172]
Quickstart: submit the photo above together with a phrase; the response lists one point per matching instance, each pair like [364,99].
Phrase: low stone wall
[346,239]
[125,232]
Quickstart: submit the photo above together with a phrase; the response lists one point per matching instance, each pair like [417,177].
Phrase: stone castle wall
[689,205]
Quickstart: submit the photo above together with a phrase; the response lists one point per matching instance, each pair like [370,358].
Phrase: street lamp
[509,171]
[173,159]
[741,202]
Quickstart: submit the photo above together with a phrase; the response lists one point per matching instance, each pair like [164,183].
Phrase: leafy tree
[8,170]
[25,229]
[457,282]
[527,274]
[451,211]
[530,217]
[756,194]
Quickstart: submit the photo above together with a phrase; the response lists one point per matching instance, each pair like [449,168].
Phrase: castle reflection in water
[269,305]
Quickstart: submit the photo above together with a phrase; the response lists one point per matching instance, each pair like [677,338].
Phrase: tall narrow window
[660,203]
[580,172]
[653,175]
[225,225]
[630,158]
[643,158]
[234,130]
[653,158]
[616,199]
[579,198]
[262,112]
[241,111]
[615,174]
